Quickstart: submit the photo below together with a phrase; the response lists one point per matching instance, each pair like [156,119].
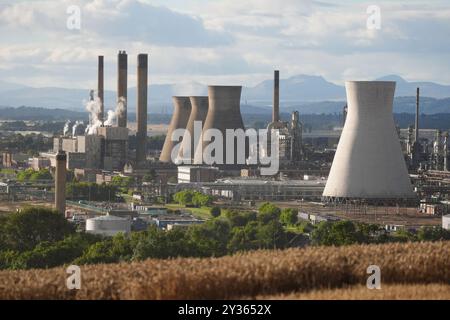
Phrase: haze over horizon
[223,41]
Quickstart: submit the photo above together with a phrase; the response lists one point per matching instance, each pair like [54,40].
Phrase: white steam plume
[66,127]
[93,107]
[114,114]
[75,126]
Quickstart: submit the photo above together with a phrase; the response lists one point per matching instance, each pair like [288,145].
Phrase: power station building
[106,147]
[369,165]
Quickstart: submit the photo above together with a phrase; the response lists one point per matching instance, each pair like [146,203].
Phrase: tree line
[42,238]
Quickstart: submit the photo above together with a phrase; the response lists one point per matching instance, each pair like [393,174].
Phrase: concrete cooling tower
[369,164]
[224,113]
[180,117]
[199,111]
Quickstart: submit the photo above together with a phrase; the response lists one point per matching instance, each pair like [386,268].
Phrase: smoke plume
[114,114]
[75,126]
[66,127]
[93,107]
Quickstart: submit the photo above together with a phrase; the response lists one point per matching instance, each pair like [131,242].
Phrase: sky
[237,42]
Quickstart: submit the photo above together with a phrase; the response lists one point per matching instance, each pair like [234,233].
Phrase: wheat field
[358,292]
[308,272]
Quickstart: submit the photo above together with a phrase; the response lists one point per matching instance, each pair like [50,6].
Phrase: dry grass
[387,292]
[248,275]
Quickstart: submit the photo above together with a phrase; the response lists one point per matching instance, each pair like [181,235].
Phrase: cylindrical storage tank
[108,225]
[369,164]
[180,117]
[199,111]
[446,222]
[224,113]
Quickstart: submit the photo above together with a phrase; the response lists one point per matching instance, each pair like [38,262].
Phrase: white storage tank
[108,225]
[446,222]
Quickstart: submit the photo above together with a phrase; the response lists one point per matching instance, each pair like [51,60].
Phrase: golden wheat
[250,274]
[387,292]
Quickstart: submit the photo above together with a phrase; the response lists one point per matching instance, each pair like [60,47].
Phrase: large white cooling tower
[369,163]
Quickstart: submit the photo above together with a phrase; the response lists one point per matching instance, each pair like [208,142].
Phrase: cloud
[223,41]
[113,20]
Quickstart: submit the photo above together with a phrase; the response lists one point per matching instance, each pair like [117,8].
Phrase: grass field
[308,272]
[201,213]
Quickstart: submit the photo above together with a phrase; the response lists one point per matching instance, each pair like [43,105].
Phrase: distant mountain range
[307,94]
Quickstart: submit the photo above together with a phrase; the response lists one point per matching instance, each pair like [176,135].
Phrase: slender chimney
[446,168]
[416,138]
[100,92]
[276,97]
[60,182]
[122,73]
[141,112]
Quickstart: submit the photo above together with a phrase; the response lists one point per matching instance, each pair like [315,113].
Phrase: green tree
[123,183]
[201,200]
[150,176]
[210,238]
[42,174]
[184,197]
[215,212]
[403,236]
[47,254]
[156,243]
[433,234]
[91,191]
[289,216]
[336,233]
[24,175]
[238,218]
[25,229]
[268,212]
[271,235]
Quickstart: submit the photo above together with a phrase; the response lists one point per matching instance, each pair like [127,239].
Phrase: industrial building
[289,134]
[189,174]
[368,164]
[259,189]
[103,144]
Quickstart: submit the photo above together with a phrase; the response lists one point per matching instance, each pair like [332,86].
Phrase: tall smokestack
[417,117]
[60,182]
[122,73]
[141,112]
[100,89]
[181,112]
[276,97]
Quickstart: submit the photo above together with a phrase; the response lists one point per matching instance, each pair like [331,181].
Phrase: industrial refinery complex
[367,164]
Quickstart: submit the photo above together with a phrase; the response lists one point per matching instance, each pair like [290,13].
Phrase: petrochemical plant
[368,162]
